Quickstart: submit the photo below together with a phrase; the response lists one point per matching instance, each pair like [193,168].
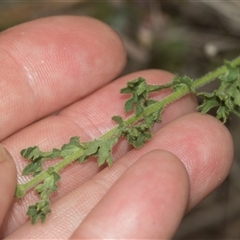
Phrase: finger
[88,118]
[147,202]
[206,152]
[49,63]
[8,180]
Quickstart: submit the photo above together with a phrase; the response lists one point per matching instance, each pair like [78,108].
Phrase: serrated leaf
[232,74]
[117,119]
[181,82]
[142,87]
[149,120]
[126,90]
[105,151]
[39,211]
[223,113]
[129,105]
[132,85]
[138,135]
[34,153]
[37,157]
[40,188]
[155,117]
[91,149]
[208,104]
[71,147]
[140,91]
[49,184]
[33,168]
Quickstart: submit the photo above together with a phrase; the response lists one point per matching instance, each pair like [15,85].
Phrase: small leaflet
[71,147]
[37,158]
[226,98]
[140,91]
[105,151]
[118,119]
[40,210]
[138,135]
[181,82]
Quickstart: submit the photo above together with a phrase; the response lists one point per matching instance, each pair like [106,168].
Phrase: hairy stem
[131,120]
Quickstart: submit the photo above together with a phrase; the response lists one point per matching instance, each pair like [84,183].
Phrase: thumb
[8,179]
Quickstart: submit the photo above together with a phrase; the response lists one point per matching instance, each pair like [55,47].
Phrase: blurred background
[186,37]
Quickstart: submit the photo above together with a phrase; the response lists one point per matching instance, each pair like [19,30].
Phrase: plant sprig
[137,129]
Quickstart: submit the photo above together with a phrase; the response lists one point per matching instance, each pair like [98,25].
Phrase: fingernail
[3,154]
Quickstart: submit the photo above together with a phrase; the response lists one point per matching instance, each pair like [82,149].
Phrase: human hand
[65,65]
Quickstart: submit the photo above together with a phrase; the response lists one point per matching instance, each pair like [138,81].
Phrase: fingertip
[148,201]
[52,62]
[205,147]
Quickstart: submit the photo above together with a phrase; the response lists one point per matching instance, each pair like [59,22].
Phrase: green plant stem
[131,120]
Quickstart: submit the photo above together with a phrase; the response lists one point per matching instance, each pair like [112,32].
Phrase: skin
[66,66]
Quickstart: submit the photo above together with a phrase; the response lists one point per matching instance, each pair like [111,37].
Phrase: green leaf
[223,113]
[181,82]
[34,153]
[33,168]
[31,153]
[232,74]
[154,88]
[126,90]
[71,147]
[129,105]
[150,102]
[155,117]
[91,149]
[39,211]
[37,158]
[142,87]
[118,119]
[138,135]
[49,184]
[132,85]
[226,97]
[105,152]
[210,101]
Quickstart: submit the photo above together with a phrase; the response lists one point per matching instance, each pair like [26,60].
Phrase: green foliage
[70,148]
[137,129]
[179,82]
[40,210]
[140,91]
[37,158]
[102,149]
[138,135]
[226,98]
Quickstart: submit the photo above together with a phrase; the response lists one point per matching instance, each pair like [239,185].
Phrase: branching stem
[131,120]
[114,133]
